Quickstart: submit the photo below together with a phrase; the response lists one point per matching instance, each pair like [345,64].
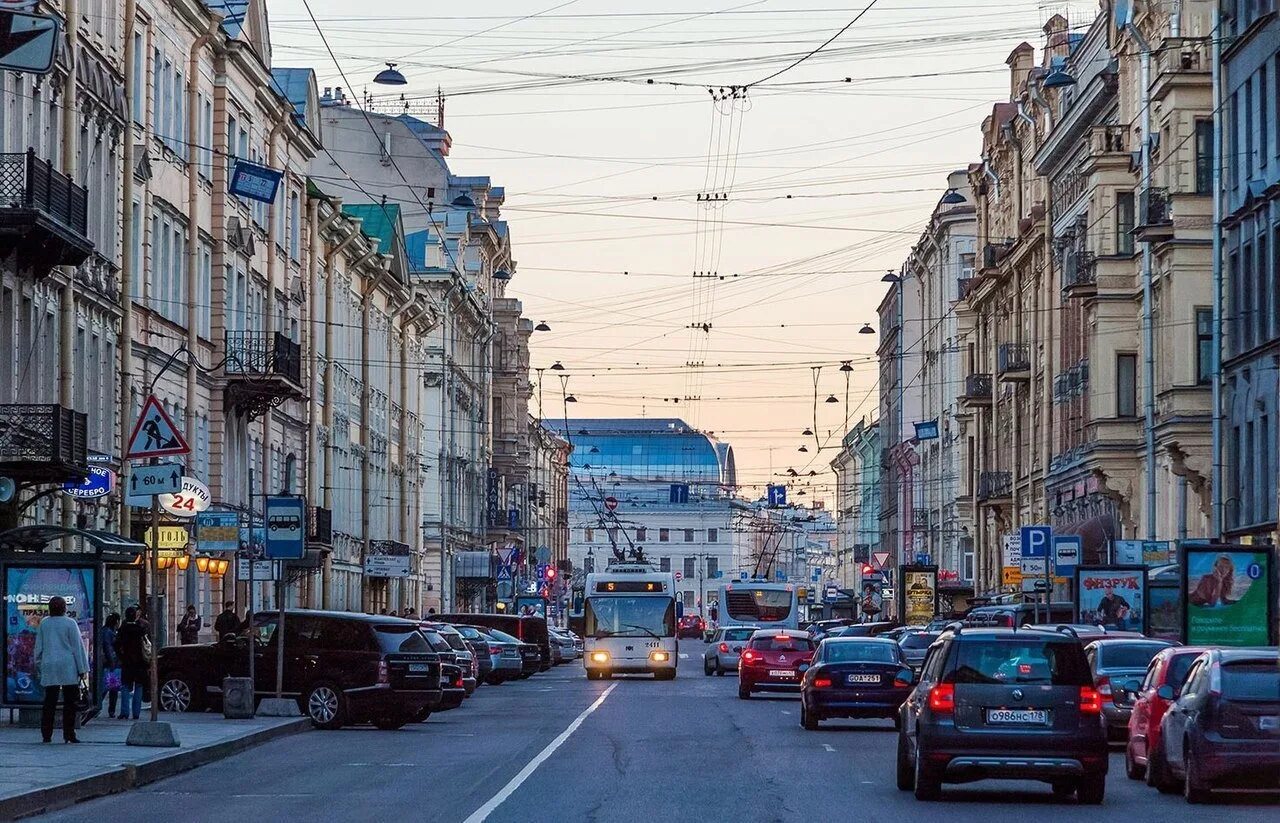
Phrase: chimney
[1056,39]
[1019,61]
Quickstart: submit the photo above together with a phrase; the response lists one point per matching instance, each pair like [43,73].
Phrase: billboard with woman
[1230,595]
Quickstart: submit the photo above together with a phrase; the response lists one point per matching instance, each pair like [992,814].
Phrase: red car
[1168,668]
[774,660]
[691,625]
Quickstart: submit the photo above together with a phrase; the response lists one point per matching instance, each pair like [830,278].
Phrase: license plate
[1025,717]
[864,678]
[419,668]
[1268,723]
[781,673]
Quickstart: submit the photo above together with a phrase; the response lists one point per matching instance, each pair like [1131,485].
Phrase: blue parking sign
[1036,540]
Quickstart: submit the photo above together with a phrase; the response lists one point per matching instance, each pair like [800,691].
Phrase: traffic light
[867,571]
[551,573]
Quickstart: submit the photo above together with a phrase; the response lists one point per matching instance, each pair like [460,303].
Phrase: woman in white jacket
[60,663]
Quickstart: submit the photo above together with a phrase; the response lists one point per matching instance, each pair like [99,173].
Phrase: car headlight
[599,657]
[659,656]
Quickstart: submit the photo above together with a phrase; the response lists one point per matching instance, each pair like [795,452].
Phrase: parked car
[875,629]
[898,632]
[854,677]
[530,657]
[1084,632]
[999,703]
[1223,731]
[914,644]
[504,655]
[724,649]
[773,660]
[462,654]
[527,628]
[1168,668]
[563,644]
[1009,615]
[1118,666]
[342,668]
[690,625]
[452,688]
[478,643]
[822,627]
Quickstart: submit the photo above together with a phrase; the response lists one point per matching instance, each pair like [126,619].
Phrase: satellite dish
[7,489]
[1123,13]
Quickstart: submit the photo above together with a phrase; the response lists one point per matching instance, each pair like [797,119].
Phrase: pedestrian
[409,613]
[392,614]
[61,662]
[134,650]
[227,623]
[383,611]
[189,627]
[111,662]
[431,610]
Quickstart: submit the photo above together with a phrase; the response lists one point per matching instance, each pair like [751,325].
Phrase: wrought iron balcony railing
[44,216]
[994,485]
[43,443]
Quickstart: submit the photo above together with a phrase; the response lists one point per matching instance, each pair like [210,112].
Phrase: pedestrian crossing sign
[155,435]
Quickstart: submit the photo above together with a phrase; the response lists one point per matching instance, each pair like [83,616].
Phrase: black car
[479,646]
[341,667]
[528,629]
[854,677]
[451,686]
[463,655]
[530,657]
[1004,704]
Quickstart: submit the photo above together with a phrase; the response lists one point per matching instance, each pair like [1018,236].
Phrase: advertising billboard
[27,591]
[1112,596]
[1230,595]
[917,594]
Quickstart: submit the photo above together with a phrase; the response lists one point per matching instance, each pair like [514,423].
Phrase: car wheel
[707,668]
[390,724]
[808,720]
[422,714]
[1158,775]
[1193,789]
[179,694]
[1062,789]
[665,674]
[1090,790]
[1132,769]
[928,785]
[744,691]
[897,721]
[720,670]
[906,775]
[326,706]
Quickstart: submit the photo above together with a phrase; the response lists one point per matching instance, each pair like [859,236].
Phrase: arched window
[290,469]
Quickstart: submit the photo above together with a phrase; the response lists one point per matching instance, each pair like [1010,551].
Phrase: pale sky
[828,182]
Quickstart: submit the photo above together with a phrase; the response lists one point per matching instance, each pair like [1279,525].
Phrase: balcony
[320,526]
[1079,274]
[993,253]
[920,519]
[995,487]
[43,443]
[44,217]
[1109,140]
[977,390]
[1013,361]
[1155,216]
[263,370]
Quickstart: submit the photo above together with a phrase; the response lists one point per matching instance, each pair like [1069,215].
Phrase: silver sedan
[723,649]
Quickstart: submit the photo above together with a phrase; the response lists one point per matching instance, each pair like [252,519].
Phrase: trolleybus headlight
[659,656]
[599,657]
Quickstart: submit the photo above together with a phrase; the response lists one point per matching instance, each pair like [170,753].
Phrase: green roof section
[381,221]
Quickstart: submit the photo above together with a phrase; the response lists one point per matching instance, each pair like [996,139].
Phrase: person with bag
[61,663]
[111,662]
[134,650]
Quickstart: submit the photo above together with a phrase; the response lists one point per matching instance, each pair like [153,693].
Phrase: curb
[127,776]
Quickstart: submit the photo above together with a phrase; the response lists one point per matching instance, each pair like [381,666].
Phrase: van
[528,629]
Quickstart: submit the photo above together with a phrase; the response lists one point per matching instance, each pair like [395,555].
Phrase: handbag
[112,680]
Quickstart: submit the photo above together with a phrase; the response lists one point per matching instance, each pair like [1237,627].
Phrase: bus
[761,604]
[629,622]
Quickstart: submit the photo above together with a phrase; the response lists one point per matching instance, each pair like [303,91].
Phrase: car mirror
[1131,685]
[1165,692]
[905,676]
[802,668]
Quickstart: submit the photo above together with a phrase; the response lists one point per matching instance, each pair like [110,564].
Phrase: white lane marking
[684,657]
[828,747]
[784,711]
[481,814]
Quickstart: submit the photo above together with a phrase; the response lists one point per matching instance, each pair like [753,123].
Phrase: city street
[683,750]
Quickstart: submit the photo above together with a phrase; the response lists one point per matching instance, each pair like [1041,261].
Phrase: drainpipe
[67,298]
[1148,297]
[126,249]
[1217,524]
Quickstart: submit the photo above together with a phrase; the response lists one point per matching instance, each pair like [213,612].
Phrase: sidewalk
[37,776]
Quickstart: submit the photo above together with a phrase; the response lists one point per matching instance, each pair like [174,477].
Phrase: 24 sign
[193,499]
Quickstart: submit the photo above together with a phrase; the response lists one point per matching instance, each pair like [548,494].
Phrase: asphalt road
[557,747]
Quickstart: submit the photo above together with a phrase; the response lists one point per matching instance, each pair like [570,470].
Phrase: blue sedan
[854,677]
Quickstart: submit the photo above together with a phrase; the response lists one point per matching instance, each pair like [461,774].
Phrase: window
[1204,156]
[205,137]
[713,535]
[641,533]
[1263,122]
[1275,281]
[690,567]
[1247,307]
[713,566]
[295,227]
[1204,345]
[1248,127]
[664,535]
[139,72]
[688,535]
[1124,222]
[136,265]
[1233,138]
[1266,469]
[664,564]
[588,535]
[1126,385]
[204,308]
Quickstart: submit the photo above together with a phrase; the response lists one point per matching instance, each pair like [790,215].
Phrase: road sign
[923,559]
[1011,576]
[218,531]
[1033,566]
[28,42]
[504,574]
[504,554]
[145,482]
[100,482]
[263,570]
[1066,554]
[544,555]
[610,503]
[286,519]
[155,435]
[1036,541]
[679,576]
[777,495]
[190,501]
[879,559]
[171,537]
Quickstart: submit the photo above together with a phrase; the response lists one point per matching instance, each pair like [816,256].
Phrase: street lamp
[202,564]
[807,432]
[557,366]
[831,398]
[866,329]
[890,277]
[803,449]
[390,76]
[952,198]
[1057,79]
[542,326]
[571,399]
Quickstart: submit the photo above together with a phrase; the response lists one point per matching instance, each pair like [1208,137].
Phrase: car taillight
[384,676]
[1103,685]
[942,698]
[822,682]
[724,648]
[457,683]
[495,650]
[1090,700]
[749,656]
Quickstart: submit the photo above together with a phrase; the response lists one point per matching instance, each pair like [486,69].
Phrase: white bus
[629,622]
[760,604]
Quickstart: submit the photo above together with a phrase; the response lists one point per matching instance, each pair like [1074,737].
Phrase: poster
[1228,595]
[28,590]
[918,598]
[1112,596]
[871,601]
[1164,613]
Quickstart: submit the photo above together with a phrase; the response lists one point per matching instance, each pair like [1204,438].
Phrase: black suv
[999,703]
[342,668]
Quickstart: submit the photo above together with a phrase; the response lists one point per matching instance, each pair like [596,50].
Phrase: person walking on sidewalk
[60,663]
[132,647]
[189,627]
[227,622]
[111,662]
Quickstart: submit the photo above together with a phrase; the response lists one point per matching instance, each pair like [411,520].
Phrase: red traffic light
[867,570]
[551,573]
